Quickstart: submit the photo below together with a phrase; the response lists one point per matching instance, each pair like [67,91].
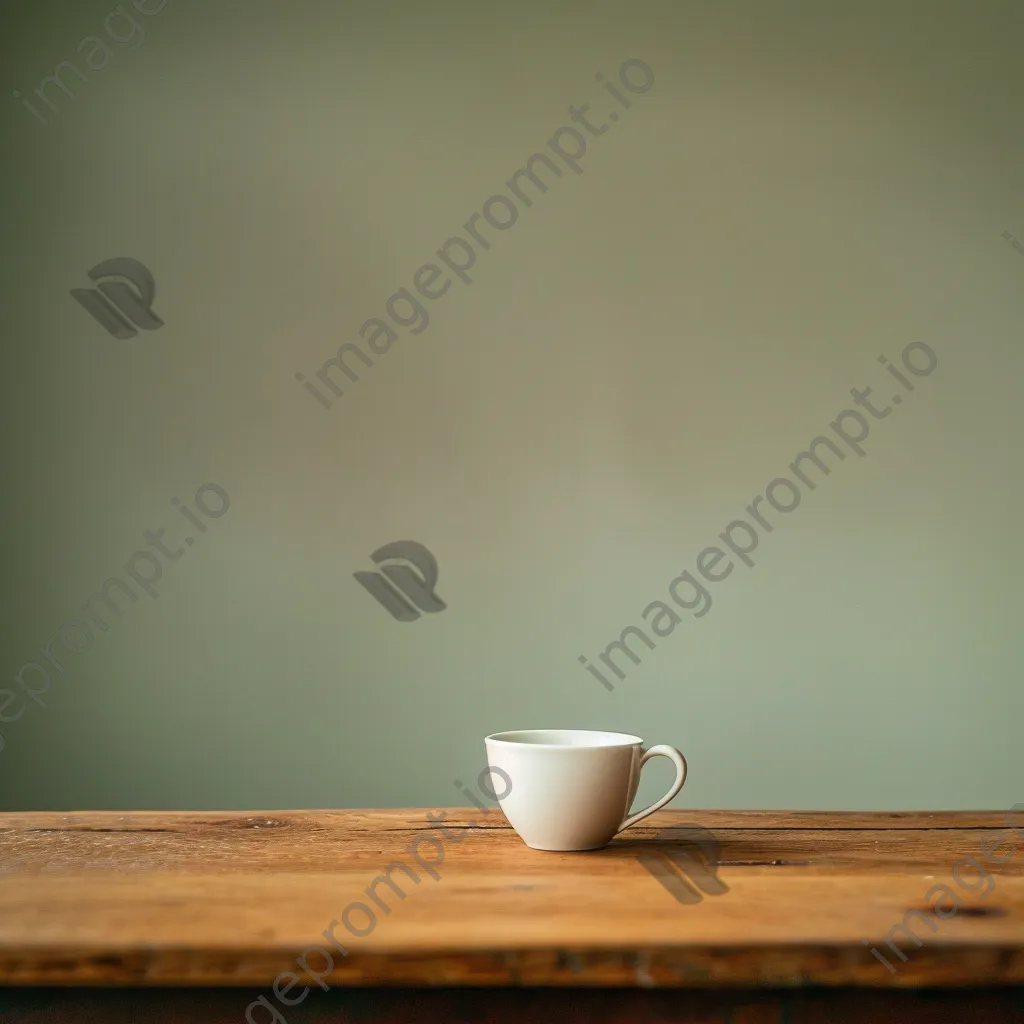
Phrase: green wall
[803,189]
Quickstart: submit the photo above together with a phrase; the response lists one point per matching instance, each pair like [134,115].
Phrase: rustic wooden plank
[210,842]
[155,898]
[381,819]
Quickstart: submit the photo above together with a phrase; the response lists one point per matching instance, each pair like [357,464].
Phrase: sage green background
[806,186]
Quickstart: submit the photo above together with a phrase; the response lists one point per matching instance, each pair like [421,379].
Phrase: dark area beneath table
[516,1006]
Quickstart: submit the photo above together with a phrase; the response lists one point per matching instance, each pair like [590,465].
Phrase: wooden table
[170,917]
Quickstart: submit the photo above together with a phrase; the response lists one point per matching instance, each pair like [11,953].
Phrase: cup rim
[608,739]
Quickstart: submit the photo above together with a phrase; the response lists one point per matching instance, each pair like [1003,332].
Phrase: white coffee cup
[571,789]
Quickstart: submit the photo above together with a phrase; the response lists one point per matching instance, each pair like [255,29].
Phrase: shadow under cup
[566,789]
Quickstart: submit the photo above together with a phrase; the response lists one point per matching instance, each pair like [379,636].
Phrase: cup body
[569,789]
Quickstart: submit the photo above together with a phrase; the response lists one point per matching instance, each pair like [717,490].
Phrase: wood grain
[212,899]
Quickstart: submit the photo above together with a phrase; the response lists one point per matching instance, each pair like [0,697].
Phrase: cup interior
[564,738]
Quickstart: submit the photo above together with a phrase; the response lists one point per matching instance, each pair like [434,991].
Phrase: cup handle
[664,750]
